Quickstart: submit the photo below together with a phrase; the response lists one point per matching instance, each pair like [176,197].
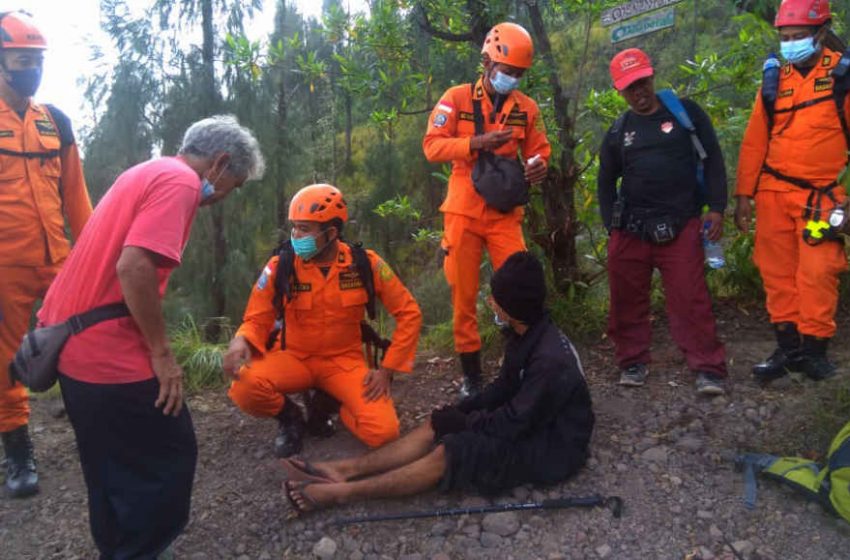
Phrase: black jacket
[656,159]
[539,401]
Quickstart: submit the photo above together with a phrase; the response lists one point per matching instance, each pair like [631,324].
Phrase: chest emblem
[667,127]
[628,138]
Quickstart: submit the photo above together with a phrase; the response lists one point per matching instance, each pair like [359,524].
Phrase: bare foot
[305,496]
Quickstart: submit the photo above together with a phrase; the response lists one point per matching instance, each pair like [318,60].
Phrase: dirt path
[666,451]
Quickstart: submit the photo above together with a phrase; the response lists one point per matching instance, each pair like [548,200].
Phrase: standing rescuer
[41,184]
[508,123]
[793,151]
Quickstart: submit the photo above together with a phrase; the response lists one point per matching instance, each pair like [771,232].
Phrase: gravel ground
[667,452]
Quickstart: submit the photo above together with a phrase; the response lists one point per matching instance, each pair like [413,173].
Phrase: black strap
[63,125]
[364,269]
[82,321]
[478,117]
[30,155]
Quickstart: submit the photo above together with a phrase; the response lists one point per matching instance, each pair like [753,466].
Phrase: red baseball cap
[629,66]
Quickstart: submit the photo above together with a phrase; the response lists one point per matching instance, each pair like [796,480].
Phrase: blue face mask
[799,50]
[24,82]
[503,83]
[207,189]
[305,247]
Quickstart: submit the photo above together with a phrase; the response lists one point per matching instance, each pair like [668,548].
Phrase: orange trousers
[261,387]
[800,280]
[20,288]
[464,240]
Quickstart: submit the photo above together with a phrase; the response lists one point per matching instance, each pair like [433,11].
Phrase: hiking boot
[785,358]
[290,435]
[470,363]
[813,361]
[634,375]
[320,407]
[710,384]
[21,475]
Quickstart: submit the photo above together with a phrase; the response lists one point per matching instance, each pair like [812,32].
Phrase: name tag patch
[46,128]
[350,281]
[823,84]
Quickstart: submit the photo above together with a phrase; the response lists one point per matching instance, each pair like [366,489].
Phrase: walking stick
[613,502]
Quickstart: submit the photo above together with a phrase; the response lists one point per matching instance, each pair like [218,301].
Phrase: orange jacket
[324,316]
[34,192]
[806,142]
[451,127]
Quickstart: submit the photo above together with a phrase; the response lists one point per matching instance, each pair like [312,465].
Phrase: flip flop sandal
[294,489]
[299,469]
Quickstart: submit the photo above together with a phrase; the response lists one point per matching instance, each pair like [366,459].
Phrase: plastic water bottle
[770,78]
[713,250]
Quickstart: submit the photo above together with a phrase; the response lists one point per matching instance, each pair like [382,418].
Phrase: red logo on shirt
[667,127]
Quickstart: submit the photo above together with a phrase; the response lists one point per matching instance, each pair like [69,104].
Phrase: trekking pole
[613,502]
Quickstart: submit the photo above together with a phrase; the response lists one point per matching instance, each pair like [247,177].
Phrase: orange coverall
[469,224]
[34,194]
[323,343]
[807,142]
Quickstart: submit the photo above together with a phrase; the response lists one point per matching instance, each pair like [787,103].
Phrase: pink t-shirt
[151,205]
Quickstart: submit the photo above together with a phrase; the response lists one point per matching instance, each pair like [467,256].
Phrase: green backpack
[828,485]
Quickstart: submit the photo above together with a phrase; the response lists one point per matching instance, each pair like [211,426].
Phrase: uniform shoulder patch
[263,280]
[440,120]
[384,271]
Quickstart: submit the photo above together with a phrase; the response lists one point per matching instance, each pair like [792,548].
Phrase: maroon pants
[630,264]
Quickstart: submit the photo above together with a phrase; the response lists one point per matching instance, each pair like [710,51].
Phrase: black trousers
[138,465]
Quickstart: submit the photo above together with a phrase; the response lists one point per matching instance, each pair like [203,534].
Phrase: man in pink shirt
[122,387]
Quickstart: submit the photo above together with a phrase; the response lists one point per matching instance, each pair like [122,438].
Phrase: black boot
[813,360]
[320,407]
[470,363]
[786,356]
[21,476]
[290,436]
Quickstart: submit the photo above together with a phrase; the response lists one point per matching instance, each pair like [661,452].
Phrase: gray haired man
[122,386]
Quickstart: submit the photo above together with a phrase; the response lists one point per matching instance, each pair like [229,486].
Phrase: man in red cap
[793,151]
[654,222]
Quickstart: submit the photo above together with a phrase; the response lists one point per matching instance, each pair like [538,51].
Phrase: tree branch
[429,28]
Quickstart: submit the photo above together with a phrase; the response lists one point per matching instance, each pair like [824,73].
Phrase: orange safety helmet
[318,203]
[17,31]
[802,12]
[510,44]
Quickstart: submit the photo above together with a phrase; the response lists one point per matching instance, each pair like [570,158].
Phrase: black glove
[447,420]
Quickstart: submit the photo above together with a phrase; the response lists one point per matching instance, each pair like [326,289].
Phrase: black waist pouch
[500,181]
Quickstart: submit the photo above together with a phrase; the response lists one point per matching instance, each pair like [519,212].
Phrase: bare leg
[393,455]
[418,476]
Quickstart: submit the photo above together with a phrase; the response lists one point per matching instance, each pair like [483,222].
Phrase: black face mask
[24,82]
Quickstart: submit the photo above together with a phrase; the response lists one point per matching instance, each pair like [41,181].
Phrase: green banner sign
[649,23]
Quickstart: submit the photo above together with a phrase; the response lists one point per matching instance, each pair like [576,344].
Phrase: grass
[200,360]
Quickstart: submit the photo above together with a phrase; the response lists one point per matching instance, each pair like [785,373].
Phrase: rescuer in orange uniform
[512,124]
[322,333]
[40,179]
[790,169]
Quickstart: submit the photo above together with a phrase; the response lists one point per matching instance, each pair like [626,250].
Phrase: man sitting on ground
[531,425]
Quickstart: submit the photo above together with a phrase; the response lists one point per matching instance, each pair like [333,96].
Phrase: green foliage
[201,361]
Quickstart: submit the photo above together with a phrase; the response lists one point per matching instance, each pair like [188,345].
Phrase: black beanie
[519,287]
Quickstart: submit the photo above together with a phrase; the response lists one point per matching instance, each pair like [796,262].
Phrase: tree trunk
[282,138]
[211,104]
[558,237]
